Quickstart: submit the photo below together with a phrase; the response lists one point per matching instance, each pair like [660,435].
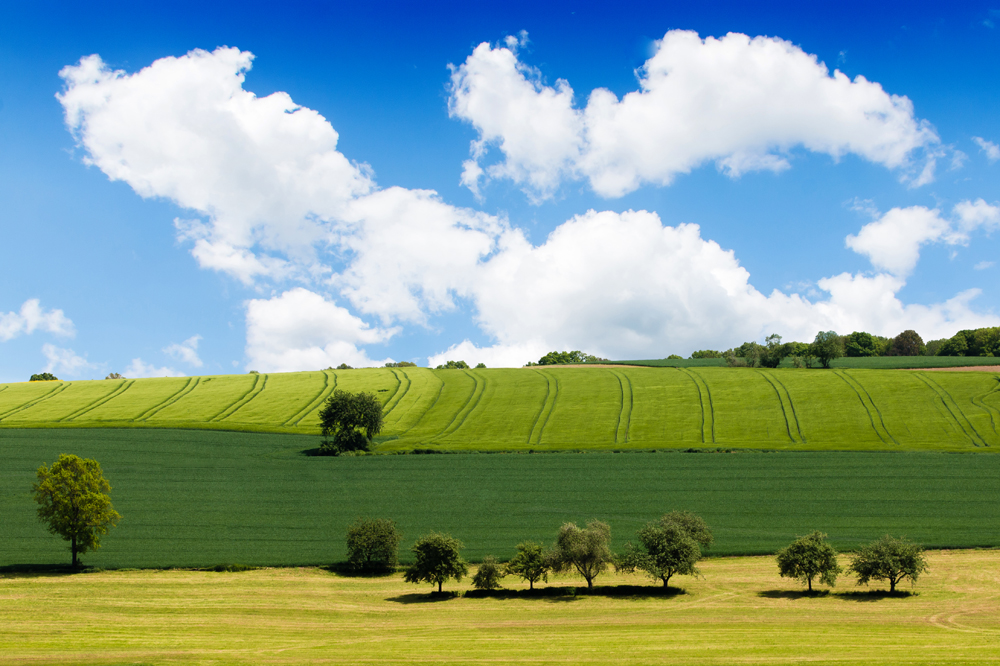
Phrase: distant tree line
[566,358]
[665,548]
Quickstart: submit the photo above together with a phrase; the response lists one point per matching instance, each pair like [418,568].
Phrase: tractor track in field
[225,409]
[704,397]
[478,389]
[429,409]
[28,405]
[396,396]
[551,390]
[323,394]
[979,401]
[625,413]
[124,386]
[247,398]
[785,398]
[191,384]
[873,411]
[958,417]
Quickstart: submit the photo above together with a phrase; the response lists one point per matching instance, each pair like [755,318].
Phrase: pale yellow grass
[740,612]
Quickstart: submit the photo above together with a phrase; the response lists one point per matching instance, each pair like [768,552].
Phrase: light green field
[740,612]
[556,408]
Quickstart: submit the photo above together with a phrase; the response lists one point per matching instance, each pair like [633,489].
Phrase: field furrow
[874,416]
[228,409]
[123,386]
[980,402]
[792,421]
[329,386]
[542,417]
[625,416]
[50,393]
[957,415]
[259,385]
[402,386]
[191,384]
[424,390]
[470,405]
[705,405]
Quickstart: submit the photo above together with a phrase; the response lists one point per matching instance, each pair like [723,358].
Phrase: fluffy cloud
[991,149]
[264,170]
[743,103]
[32,317]
[301,330]
[138,369]
[64,361]
[186,351]
[893,241]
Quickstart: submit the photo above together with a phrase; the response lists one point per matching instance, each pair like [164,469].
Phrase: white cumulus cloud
[31,317]
[64,361]
[991,149]
[139,369]
[301,330]
[186,351]
[741,102]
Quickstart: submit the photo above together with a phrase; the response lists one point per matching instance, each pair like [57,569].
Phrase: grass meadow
[555,408]
[196,498]
[739,612]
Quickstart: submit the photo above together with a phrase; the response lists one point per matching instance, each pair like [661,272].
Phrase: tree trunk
[810,581]
[73,550]
[531,584]
[590,583]
[892,584]
[666,582]
[439,585]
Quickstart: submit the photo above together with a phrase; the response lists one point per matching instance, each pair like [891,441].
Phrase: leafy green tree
[480,366]
[489,574]
[665,549]
[861,344]
[771,354]
[401,364]
[588,551]
[827,346]
[73,499]
[907,343]
[373,544]
[439,557]
[343,366]
[675,357]
[889,559]
[808,557]
[453,365]
[693,525]
[349,421]
[114,375]
[530,563]
[706,353]
[44,377]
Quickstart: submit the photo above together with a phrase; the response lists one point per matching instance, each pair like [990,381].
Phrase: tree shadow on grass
[35,570]
[550,594]
[793,594]
[347,571]
[875,595]
[432,597]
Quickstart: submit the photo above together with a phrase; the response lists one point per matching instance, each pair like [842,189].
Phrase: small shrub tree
[453,365]
[73,500]
[706,353]
[530,563]
[480,366]
[489,574]
[588,551]
[808,557]
[373,544]
[114,375]
[827,346]
[438,558]
[889,559]
[349,422]
[44,377]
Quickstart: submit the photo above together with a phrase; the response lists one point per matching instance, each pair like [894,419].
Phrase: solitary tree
[114,375]
[349,421]
[438,559]
[587,551]
[373,544]
[44,377]
[889,559]
[489,574]
[529,564]
[667,547]
[808,557]
[73,499]
[827,346]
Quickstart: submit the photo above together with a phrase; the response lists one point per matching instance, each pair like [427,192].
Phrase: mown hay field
[555,408]
[202,498]
[740,612]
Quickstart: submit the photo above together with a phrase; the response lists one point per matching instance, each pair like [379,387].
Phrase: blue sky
[172,219]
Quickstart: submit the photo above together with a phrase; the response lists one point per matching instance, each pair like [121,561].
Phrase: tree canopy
[530,563]
[349,421]
[373,544]
[453,365]
[907,343]
[827,346]
[889,559]
[588,551]
[971,342]
[808,557]
[489,574]
[44,377]
[73,500]
[438,558]
[564,357]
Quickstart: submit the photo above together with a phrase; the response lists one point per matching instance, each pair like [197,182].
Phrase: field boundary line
[124,386]
[396,396]
[470,405]
[256,380]
[323,394]
[872,410]
[707,415]
[783,396]
[248,397]
[990,409]
[27,405]
[625,413]
[156,409]
[957,415]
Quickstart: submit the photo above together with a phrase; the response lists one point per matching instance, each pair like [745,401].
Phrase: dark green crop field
[556,408]
[200,498]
